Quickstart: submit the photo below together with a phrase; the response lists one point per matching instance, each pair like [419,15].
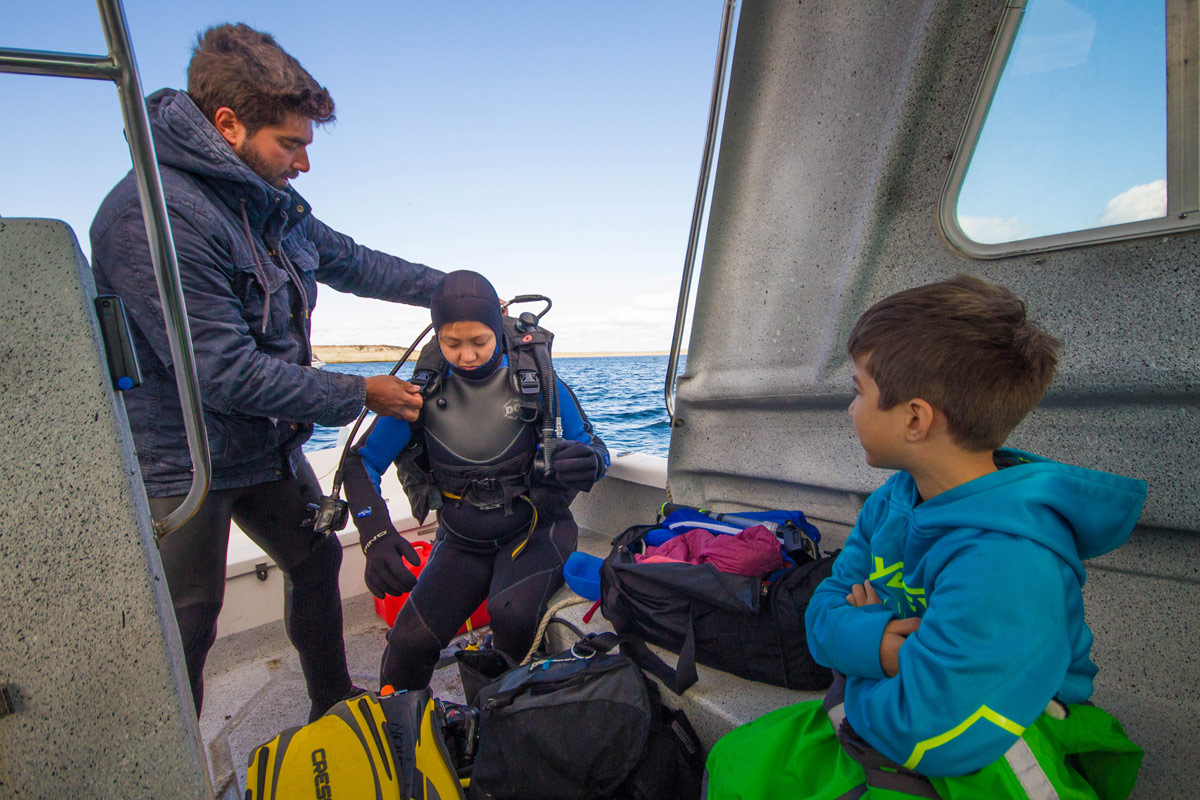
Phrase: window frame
[1183,145]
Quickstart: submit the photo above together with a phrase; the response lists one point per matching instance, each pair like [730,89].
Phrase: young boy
[955,609]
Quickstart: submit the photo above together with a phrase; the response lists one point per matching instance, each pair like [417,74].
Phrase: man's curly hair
[237,67]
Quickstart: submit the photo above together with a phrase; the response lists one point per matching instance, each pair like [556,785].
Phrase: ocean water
[621,395]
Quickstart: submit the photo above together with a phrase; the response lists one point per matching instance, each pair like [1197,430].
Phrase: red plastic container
[390,605]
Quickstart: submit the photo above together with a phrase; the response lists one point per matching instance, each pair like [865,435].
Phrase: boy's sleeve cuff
[859,634]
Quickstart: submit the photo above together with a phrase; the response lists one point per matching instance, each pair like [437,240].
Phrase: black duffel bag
[584,724]
[730,622]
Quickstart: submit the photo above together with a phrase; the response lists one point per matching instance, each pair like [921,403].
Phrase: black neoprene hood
[466,296]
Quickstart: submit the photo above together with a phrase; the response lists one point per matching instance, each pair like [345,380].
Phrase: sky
[1076,135]
[553,146]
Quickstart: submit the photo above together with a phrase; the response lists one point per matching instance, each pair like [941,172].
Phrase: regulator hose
[337,476]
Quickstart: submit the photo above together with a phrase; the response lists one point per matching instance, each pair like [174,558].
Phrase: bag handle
[679,679]
[683,676]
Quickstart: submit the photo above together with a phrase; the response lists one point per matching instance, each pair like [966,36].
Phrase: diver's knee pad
[517,611]
[411,636]
[513,612]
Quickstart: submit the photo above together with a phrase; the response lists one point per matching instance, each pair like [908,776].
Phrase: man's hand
[391,397]
[894,635]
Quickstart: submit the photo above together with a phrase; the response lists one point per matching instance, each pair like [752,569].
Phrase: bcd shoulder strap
[521,341]
[431,365]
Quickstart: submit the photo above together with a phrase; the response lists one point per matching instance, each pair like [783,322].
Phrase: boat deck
[253,685]
[254,688]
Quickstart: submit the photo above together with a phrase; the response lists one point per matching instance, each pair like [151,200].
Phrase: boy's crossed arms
[894,633]
[948,690]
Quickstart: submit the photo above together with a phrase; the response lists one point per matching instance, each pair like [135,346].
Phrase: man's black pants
[272,514]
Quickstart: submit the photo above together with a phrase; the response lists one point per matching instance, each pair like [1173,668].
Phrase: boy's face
[881,433]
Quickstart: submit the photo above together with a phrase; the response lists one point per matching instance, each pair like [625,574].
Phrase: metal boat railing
[689,259]
[120,67]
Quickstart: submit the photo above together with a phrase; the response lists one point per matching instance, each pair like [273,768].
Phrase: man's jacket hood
[186,140]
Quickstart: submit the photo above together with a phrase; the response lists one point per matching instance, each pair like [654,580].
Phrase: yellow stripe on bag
[937,741]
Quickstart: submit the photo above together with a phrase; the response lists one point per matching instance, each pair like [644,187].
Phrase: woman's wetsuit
[481,553]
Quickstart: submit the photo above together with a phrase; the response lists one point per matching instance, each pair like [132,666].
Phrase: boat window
[1084,130]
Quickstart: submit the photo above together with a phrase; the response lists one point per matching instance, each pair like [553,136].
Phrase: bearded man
[250,255]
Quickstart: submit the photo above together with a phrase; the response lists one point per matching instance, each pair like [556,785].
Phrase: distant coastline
[362,353]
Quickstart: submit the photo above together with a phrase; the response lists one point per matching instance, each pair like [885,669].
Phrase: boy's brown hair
[966,347]
[237,67]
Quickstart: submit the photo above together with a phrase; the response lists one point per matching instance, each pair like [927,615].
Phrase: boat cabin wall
[842,122]
[98,701]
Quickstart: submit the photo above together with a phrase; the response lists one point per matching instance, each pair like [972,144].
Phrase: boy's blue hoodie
[994,570]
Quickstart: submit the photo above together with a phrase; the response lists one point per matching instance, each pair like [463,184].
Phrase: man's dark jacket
[249,316]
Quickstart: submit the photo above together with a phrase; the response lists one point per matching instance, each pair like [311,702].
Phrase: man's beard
[249,157]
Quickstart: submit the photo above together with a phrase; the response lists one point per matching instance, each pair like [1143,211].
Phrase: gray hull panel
[102,707]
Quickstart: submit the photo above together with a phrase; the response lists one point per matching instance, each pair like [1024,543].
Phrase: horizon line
[368,353]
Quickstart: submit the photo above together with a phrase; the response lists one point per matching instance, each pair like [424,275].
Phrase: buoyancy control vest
[478,441]
[478,447]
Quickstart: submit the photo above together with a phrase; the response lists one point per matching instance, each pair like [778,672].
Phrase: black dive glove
[386,572]
[576,466]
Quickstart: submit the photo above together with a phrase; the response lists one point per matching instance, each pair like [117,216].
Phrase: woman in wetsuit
[504,527]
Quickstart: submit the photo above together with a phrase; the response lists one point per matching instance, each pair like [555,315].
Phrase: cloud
[992,230]
[668,300]
[1145,201]
[641,322]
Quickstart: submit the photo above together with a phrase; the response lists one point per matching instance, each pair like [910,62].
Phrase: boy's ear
[921,416]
